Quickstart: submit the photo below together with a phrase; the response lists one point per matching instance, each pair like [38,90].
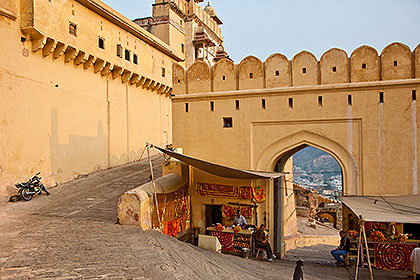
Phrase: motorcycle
[31,187]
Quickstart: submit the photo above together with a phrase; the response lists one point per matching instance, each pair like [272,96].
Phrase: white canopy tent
[397,209]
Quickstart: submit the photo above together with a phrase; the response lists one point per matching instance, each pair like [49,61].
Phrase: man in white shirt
[239,220]
[415,259]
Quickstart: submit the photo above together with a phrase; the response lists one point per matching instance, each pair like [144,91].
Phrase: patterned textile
[215,190]
[225,239]
[229,211]
[174,211]
[393,256]
[258,193]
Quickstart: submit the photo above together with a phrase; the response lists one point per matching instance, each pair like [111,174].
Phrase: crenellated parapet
[396,62]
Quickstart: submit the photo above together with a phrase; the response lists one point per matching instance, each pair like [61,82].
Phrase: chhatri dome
[212,13]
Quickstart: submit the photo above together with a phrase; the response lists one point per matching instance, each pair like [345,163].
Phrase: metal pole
[153,184]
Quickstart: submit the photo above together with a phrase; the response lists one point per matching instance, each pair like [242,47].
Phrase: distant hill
[312,159]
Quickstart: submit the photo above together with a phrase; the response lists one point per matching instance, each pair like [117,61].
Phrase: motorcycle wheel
[24,194]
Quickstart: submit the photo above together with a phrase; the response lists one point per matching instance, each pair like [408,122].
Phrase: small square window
[135,58]
[304,70]
[334,69]
[186,108]
[119,50]
[237,104]
[101,43]
[73,29]
[163,72]
[251,75]
[320,101]
[349,100]
[227,122]
[277,73]
[395,63]
[182,48]
[364,66]
[224,78]
[127,55]
[413,95]
[179,81]
[212,106]
[263,105]
[381,97]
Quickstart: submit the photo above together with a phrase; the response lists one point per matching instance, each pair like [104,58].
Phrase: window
[304,70]
[251,75]
[263,104]
[179,81]
[320,101]
[224,78]
[349,100]
[127,55]
[334,69]
[291,103]
[101,43]
[163,72]
[277,73]
[212,106]
[73,29]
[237,104]
[186,108]
[413,95]
[227,122]
[381,97]
[180,22]
[364,66]
[395,63]
[119,50]
[182,48]
[135,58]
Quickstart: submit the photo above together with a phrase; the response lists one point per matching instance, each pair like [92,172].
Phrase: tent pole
[359,248]
[367,250]
[154,186]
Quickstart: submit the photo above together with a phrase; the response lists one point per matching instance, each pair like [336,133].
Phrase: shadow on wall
[82,154]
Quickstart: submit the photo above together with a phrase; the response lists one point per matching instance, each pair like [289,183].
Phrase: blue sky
[264,27]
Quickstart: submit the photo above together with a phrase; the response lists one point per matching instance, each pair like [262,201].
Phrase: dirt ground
[72,234]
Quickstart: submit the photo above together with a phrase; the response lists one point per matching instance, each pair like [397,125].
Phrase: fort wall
[69,107]
[396,62]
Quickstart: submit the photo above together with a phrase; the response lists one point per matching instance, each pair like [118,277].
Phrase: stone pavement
[72,234]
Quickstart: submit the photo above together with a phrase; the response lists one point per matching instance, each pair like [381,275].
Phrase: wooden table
[232,243]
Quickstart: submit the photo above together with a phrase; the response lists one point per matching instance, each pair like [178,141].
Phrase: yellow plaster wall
[364,55]
[334,59]
[224,75]
[277,63]
[401,55]
[199,78]
[304,60]
[250,73]
[417,61]
[65,120]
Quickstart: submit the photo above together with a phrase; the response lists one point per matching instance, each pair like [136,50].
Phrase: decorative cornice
[8,14]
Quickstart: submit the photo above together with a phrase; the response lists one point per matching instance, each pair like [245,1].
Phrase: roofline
[113,16]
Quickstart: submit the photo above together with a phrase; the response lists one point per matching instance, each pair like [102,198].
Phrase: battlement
[396,62]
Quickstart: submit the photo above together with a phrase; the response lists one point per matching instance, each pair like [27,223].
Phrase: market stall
[392,227]
[233,241]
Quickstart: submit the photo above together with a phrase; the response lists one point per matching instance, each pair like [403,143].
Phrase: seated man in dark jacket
[262,243]
[342,249]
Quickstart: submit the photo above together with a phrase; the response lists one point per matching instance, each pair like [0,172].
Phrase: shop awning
[397,209]
[220,170]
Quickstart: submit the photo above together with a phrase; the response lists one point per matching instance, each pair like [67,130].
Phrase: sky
[264,27]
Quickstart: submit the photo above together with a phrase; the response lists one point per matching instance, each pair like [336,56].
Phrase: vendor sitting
[261,242]
[239,220]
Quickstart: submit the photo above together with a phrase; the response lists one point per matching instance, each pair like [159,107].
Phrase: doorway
[213,215]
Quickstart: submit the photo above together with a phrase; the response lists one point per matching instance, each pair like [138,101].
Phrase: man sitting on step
[261,242]
[342,249]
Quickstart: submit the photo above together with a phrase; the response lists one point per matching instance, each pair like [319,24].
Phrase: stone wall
[395,62]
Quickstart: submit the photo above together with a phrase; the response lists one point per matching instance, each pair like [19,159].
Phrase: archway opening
[306,200]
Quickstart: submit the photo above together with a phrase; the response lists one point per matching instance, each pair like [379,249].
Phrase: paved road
[72,234]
